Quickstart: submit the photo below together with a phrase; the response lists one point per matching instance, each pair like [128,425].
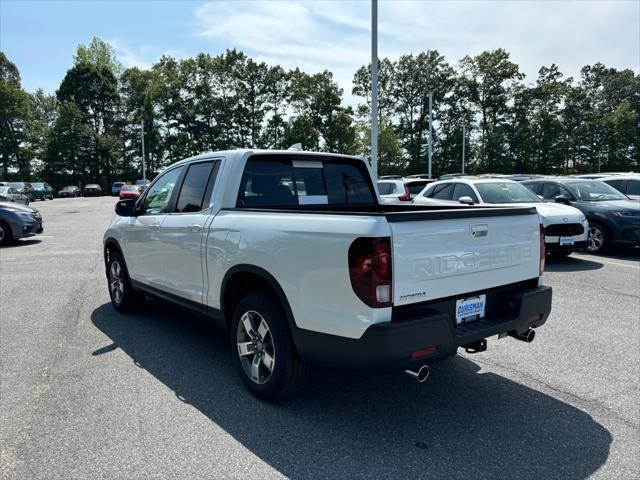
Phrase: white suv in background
[566,228]
[398,190]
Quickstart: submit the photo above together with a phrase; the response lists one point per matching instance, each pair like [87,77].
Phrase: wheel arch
[244,278]
[111,245]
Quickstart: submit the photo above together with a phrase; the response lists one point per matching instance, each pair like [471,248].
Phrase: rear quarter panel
[307,254]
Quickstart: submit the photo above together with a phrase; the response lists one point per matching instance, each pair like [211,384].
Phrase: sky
[40,37]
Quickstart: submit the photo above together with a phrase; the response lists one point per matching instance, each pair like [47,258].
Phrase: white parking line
[607,262]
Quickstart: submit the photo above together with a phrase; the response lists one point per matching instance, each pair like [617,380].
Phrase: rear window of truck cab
[280,181]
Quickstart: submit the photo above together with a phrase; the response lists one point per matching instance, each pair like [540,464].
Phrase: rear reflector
[534,318]
[424,352]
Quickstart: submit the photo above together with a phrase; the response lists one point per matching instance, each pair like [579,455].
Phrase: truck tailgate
[444,253]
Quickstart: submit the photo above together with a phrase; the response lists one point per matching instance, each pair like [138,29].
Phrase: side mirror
[562,199]
[126,208]
[466,200]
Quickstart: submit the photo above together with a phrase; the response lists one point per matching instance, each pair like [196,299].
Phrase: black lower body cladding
[427,332]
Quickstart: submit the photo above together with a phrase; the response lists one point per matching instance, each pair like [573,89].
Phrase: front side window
[633,187]
[617,184]
[442,192]
[503,192]
[159,194]
[464,190]
[194,194]
[595,191]
[552,190]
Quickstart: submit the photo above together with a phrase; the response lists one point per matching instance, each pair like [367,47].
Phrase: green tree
[15,116]
[99,54]
[488,81]
[94,91]
[70,148]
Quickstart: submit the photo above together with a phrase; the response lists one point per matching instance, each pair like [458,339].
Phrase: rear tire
[123,297]
[6,235]
[263,350]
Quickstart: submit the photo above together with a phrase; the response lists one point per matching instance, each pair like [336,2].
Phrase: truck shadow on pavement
[571,264]
[461,423]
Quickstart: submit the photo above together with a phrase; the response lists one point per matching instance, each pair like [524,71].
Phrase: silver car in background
[17,221]
[12,195]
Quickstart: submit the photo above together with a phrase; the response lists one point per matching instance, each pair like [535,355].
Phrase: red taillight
[407,195]
[370,270]
[542,249]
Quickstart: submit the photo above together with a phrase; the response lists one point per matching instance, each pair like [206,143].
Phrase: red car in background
[129,191]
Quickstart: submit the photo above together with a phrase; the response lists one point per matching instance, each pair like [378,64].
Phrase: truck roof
[241,152]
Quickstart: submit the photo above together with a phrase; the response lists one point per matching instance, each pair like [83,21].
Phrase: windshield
[126,188]
[37,185]
[594,191]
[4,190]
[17,185]
[506,192]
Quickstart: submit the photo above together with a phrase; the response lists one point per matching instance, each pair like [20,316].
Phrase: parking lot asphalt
[86,392]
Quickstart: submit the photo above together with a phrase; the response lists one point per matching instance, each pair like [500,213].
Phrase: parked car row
[578,213]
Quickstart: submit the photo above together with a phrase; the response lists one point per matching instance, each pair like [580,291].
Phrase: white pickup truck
[294,255]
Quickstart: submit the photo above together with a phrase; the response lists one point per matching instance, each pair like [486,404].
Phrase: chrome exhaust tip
[527,336]
[421,374]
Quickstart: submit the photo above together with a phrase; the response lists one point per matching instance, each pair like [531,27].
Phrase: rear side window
[386,188]
[195,193]
[280,181]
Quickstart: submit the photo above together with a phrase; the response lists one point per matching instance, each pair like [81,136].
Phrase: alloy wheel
[255,347]
[116,283]
[596,239]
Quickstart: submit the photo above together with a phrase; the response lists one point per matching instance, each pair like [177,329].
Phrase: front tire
[123,297]
[598,239]
[6,236]
[263,350]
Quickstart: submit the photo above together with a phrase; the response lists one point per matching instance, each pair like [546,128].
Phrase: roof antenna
[296,147]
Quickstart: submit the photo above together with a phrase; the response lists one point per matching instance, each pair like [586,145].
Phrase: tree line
[89,130]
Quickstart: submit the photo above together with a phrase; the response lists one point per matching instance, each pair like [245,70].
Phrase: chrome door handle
[194,227]
[154,226]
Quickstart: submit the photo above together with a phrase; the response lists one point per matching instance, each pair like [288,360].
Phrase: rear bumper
[389,345]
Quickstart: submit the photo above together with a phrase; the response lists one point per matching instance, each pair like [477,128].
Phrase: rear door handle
[154,226]
[194,227]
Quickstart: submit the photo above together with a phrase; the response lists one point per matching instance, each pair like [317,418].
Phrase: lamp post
[464,137]
[144,167]
[430,130]
[374,89]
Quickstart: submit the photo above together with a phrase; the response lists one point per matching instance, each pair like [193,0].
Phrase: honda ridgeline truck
[294,255]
